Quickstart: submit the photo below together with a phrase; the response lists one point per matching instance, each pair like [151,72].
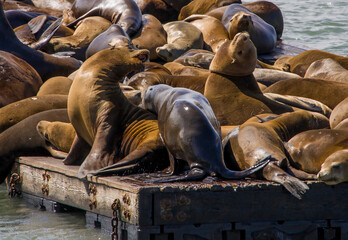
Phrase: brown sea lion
[158,8]
[17,111]
[102,116]
[238,18]
[86,30]
[125,13]
[342,125]
[190,133]
[143,80]
[114,36]
[53,4]
[46,65]
[24,7]
[202,6]
[179,69]
[328,92]
[335,168]
[150,36]
[299,64]
[339,113]
[254,141]
[309,149]
[60,134]
[231,88]
[18,79]
[22,138]
[327,69]
[156,68]
[55,85]
[214,32]
[181,37]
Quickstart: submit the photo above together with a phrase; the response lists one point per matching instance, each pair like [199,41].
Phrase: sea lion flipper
[56,153]
[301,174]
[47,34]
[193,174]
[78,151]
[37,23]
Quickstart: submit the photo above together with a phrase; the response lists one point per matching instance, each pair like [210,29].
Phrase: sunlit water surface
[316,24]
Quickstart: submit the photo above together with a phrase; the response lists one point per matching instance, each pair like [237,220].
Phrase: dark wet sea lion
[339,113]
[17,111]
[125,13]
[21,6]
[254,141]
[270,76]
[214,32]
[328,92]
[181,37]
[114,36]
[23,138]
[335,168]
[150,36]
[309,149]
[101,114]
[190,133]
[231,88]
[47,66]
[158,8]
[238,18]
[203,6]
[196,57]
[18,79]
[18,18]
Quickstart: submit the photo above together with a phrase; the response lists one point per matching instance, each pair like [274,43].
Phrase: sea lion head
[235,57]
[335,168]
[150,94]
[168,52]
[240,22]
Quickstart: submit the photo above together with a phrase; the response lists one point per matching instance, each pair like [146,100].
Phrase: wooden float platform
[223,210]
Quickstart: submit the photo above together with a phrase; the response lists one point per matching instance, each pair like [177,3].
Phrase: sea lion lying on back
[191,133]
[109,129]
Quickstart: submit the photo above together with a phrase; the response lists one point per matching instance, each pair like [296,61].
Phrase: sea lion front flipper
[78,151]
[193,174]
[295,186]
[301,174]
[56,153]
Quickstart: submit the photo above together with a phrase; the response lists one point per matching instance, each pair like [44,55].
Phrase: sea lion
[339,113]
[114,36]
[46,65]
[23,138]
[125,13]
[181,36]
[335,168]
[55,85]
[327,69]
[197,58]
[55,4]
[309,149]
[342,125]
[143,80]
[177,4]
[254,141]
[18,79]
[150,36]
[159,9]
[202,6]
[214,32]
[86,30]
[16,6]
[270,76]
[102,116]
[17,111]
[299,64]
[190,133]
[60,134]
[238,18]
[178,69]
[328,92]
[231,88]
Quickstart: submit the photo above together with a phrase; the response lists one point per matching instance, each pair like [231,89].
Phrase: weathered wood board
[145,204]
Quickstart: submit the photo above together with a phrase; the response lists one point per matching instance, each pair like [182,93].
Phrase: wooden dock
[247,209]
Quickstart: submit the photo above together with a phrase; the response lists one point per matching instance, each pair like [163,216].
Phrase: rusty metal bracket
[45,188]
[14,189]
[92,194]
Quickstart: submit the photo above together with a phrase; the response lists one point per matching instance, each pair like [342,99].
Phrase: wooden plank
[144,204]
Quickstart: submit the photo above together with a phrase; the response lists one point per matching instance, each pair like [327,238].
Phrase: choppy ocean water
[315,24]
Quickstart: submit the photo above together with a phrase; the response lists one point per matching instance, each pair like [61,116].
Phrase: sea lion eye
[336,167]
[240,52]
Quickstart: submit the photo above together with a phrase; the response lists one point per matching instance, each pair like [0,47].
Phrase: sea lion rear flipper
[37,23]
[295,186]
[193,174]
[47,35]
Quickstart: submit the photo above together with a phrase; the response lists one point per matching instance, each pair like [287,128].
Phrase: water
[316,24]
